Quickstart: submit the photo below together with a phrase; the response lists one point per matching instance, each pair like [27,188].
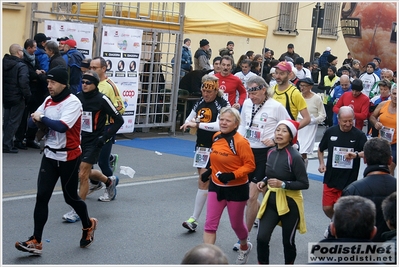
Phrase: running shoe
[88,234]
[243,255]
[110,191]
[191,224]
[31,246]
[94,187]
[114,162]
[71,216]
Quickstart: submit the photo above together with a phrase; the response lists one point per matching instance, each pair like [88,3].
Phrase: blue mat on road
[169,145]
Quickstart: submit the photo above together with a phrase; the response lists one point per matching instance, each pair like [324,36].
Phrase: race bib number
[253,135]
[201,157]
[87,125]
[339,161]
[387,133]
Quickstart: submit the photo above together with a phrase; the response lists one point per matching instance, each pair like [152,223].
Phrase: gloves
[101,141]
[205,175]
[226,177]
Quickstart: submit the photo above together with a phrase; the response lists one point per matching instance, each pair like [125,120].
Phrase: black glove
[101,141]
[205,175]
[226,177]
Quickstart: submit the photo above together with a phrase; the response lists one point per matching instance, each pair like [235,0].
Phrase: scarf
[61,96]
[373,168]
[30,58]
[91,94]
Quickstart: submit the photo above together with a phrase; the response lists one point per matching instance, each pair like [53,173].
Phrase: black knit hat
[331,58]
[357,85]
[58,74]
[204,42]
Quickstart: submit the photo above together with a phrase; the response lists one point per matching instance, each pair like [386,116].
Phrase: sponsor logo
[129,93]
[84,40]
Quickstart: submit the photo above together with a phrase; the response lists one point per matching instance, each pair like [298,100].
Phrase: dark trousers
[103,159]
[23,129]
[11,120]
[50,170]
[267,224]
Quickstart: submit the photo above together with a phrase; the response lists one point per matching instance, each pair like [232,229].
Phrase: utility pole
[315,27]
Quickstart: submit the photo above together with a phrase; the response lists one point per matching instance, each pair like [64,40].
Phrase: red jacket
[360,106]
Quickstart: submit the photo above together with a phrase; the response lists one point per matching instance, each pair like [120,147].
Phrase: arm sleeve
[299,169]
[56,125]
[210,126]
[111,110]
[190,116]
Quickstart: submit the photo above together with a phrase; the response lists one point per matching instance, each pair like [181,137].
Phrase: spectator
[283,201]
[85,65]
[228,181]
[40,53]
[288,95]
[61,159]
[267,57]
[228,51]
[210,105]
[389,212]
[357,101]
[384,120]
[301,72]
[354,220]
[307,135]
[16,94]
[369,79]
[331,61]
[259,131]
[25,137]
[61,44]
[231,84]
[323,59]
[377,183]
[327,86]
[315,72]
[316,58]
[290,53]
[201,56]
[256,67]
[186,58]
[377,62]
[216,64]
[337,92]
[205,254]
[245,72]
[73,59]
[238,67]
[53,53]
[338,172]
[355,69]
[250,54]
[348,60]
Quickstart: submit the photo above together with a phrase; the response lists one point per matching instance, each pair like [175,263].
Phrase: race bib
[387,133]
[201,157]
[338,159]
[87,125]
[253,135]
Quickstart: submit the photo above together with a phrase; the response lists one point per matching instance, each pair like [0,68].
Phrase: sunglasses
[87,82]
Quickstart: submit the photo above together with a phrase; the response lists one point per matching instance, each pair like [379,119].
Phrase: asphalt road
[143,225]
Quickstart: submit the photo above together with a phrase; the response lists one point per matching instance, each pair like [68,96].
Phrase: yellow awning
[221,18]
[200,17]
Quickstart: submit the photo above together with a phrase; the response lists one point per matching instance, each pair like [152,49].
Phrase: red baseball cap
[71,43]
[284,66]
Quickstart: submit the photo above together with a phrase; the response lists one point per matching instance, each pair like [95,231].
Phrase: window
[287,18]
[243,7]
[331,18]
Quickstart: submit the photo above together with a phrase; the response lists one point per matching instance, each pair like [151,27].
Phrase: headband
[91,78]
[256,88]
[210,85]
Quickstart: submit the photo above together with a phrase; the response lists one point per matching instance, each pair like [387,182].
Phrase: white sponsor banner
[121,48]
[81,33]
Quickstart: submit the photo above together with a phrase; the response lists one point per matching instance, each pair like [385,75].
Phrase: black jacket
[36,86]
[376,188]
[15,81]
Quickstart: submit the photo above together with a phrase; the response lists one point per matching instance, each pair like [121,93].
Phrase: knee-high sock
[200,200]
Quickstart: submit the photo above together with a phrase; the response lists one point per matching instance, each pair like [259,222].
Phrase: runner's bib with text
[201,157]
[87,124]
[339,161]
[387,133]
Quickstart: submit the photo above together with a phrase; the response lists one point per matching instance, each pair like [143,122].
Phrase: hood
[10,61]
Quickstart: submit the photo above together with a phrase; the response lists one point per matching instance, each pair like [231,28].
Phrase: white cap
[272,70]
[328,48]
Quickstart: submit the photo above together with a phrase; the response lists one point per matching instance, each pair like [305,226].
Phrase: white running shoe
[243,255]
[71,216]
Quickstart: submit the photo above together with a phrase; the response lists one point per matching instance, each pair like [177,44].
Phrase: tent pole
[263,56]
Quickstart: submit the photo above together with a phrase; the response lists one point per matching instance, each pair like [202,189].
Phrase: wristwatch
[282,185]
[357,154]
